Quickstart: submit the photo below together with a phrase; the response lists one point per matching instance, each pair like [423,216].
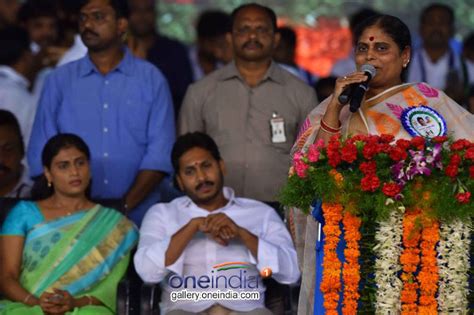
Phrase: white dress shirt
[422,69]
[470,71]
[162,221]
[16,98]
[76,52]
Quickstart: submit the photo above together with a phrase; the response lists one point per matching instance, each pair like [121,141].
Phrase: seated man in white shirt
[209,248]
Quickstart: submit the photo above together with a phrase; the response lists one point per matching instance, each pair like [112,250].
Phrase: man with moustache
[120,105]
[436,62]
[209,226]
[40,20]
[14,181]
[251,107]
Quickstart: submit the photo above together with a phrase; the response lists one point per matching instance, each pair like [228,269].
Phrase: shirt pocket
[78,117]
[136,117]
[290,134]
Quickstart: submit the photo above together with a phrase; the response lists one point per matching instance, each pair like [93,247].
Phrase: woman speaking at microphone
[384,42]
[389,106]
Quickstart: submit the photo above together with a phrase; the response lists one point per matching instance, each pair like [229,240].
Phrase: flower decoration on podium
[415,195]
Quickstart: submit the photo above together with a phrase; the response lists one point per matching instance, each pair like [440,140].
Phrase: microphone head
[369,69]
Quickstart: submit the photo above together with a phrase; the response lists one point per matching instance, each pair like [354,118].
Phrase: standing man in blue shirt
[120,105]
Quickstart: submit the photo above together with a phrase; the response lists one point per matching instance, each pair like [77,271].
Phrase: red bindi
[371,38]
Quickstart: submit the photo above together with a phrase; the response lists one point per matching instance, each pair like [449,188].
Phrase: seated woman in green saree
[63,254]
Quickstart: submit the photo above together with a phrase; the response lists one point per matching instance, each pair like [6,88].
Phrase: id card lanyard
[277,125]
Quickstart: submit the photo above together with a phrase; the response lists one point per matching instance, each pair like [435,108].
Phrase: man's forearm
[144,183]
[180,240]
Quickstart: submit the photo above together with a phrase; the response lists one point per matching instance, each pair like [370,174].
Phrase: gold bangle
[25,300]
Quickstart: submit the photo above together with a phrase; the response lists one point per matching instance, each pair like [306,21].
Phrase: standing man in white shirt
[210,242]
[436,62]
[16,63]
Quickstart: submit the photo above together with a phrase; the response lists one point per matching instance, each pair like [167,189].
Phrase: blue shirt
[126,118]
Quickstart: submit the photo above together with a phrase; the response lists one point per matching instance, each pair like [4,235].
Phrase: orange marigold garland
[410,260]
[331,280]
[429,275]
[351,272]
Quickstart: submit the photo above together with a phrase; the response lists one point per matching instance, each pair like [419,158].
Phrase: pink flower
[319,143]
[313,153]
[298,156]
[300,166]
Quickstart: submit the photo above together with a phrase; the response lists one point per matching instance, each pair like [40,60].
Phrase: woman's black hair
[390,25]
[62,141]
[52,148]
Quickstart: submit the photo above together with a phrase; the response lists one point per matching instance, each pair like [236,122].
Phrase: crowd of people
[96,104]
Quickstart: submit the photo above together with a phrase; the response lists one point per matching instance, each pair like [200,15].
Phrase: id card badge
[277,124]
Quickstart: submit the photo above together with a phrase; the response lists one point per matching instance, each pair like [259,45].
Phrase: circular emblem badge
[423,121]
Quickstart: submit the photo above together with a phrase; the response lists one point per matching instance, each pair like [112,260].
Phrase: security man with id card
[251,107]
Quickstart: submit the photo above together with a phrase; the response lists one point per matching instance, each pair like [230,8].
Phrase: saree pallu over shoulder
[76,252]
[381,114]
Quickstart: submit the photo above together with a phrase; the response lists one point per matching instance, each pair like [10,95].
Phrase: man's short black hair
[271,14]
[120,7]
[190,141]
[287,35]
[7,118]
[213,23]
[14,41]
[33,9]
[437,6]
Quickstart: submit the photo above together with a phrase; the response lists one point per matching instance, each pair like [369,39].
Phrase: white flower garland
[388,238]
[453,263]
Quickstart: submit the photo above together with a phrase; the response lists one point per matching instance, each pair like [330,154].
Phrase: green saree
[86,253]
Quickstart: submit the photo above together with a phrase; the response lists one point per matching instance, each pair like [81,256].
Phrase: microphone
[348,91]
[345,96]
[361,88]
